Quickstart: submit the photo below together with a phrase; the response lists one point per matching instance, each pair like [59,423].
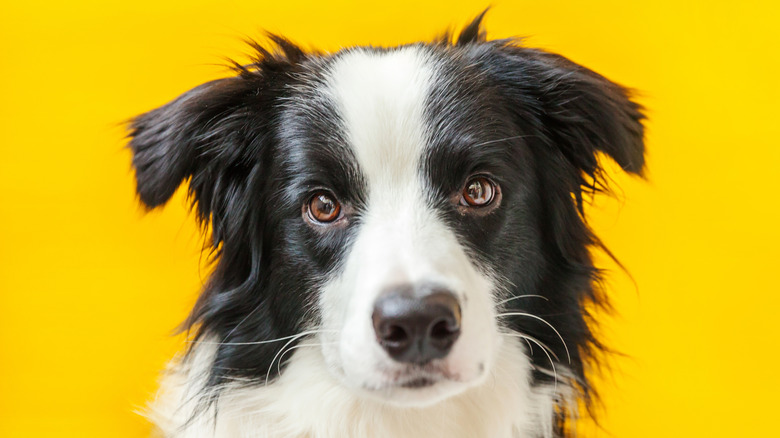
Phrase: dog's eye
[478,192]
[323,208]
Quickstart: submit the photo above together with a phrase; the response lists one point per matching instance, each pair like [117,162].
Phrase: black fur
[556,117]
[254,146]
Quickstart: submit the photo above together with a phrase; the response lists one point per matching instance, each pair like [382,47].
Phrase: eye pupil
[323,208]
[478,192]
[325,205]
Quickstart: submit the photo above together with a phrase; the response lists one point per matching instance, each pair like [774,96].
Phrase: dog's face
[404,210]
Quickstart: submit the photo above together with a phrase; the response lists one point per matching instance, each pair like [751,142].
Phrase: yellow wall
[90,287]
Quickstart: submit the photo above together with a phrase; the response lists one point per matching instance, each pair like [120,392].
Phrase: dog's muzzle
[416,325]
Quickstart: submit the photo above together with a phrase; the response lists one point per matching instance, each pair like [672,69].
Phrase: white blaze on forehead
[381,97]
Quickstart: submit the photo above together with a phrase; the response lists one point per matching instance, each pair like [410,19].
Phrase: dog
[399,240]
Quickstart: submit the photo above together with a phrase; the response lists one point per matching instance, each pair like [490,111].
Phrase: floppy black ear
[580,112]
[171,142]
[585,113]
[214,134]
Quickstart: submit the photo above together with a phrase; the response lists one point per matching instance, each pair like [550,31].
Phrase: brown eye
[323,208]
[478,192]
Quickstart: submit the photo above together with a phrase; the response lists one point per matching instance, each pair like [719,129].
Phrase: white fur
[308,402]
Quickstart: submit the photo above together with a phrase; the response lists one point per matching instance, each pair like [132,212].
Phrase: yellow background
[90,287]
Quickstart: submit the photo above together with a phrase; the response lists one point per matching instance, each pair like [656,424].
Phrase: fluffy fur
[283,344]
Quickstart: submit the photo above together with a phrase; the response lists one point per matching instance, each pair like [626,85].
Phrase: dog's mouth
[416,385]
[419,382]
[418,376]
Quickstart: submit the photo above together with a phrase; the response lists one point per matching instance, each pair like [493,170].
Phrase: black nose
[416,327]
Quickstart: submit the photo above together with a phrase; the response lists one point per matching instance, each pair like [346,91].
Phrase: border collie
[398,234]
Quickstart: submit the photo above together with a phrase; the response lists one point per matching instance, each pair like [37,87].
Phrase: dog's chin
[417,388]
[418,394]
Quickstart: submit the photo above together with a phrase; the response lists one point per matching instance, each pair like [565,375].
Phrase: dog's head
[410,209]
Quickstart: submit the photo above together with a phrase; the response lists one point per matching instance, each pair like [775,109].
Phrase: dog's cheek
[333,305]
[473,355]
[361,355]
[349,345]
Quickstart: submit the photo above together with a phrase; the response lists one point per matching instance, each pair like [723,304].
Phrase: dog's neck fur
[306,401]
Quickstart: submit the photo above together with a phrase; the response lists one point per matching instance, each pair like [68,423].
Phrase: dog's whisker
[530,348]
[521,296]
[270,366]
[529,315]
[269,341]
[552,363]
[242,321]
[283,350]
[294,347]
[514,137]
[528,338]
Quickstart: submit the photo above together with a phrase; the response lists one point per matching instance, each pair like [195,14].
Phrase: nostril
[395,334]
[444,330]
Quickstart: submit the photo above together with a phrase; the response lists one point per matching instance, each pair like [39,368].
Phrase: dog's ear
[213,130]
[174,142]
[580,112]
[584,113]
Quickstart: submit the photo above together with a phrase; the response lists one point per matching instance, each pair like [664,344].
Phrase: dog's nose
[416,328]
